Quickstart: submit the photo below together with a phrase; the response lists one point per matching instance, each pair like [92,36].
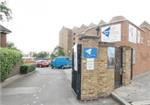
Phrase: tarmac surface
[45,87]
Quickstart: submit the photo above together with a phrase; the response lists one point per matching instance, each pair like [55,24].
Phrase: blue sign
[106,32]
[90,52]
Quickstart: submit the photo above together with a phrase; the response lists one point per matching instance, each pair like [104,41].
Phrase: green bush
[26,68]
[8,58]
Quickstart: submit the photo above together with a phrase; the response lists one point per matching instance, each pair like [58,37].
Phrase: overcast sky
[36,23]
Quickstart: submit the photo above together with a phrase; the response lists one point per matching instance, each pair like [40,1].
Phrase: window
[110,57]
[134,56]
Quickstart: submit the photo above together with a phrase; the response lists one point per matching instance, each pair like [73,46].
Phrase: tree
[5,10]
[11,45]
[42,55]
[58,51]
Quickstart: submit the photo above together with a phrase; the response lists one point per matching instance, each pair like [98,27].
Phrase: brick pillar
[100,81]
[3,40]
[126,66]
[89,81]
[105,75]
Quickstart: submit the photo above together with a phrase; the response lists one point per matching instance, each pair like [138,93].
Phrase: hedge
[26,68]
[8,58]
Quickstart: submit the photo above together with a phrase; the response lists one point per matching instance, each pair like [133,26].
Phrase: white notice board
[111,33]
[90,63]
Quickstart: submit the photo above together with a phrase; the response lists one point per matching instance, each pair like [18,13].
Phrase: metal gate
[76,69]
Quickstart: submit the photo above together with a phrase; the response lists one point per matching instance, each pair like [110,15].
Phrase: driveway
[44,87]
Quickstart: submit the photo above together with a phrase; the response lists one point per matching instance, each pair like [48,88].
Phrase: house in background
[3,38]
[65,40]
[67,36]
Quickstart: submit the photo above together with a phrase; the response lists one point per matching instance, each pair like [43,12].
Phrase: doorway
[118,66]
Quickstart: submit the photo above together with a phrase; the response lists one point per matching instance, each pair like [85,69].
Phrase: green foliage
[8,58]
[4,9]
[52,56]
[58,51]
[11,45]
[26,68]
[41,55]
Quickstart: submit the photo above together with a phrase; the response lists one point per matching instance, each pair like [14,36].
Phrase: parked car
[61,62]
[42,63]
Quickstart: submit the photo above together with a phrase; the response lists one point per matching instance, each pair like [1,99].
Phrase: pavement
[44,87]
[68,74]
[14,78]
[138,92]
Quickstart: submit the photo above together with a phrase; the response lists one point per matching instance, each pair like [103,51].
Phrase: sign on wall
[90,52]
[132,33]
[111,33]
[90,63]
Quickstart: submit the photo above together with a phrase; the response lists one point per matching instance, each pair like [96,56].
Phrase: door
[76,70]
[118,66]
[132,59]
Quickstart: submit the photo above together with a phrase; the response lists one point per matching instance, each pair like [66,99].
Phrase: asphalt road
[45,87]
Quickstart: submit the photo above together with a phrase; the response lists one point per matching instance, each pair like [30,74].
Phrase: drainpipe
[97,29]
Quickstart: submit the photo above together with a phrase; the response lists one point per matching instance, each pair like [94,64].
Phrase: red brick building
[140,41]
[65,40]
[121,51]
[131,35]
[3,38]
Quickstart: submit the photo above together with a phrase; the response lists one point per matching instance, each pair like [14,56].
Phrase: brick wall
[89,78]
[3,40]
[126,78]
[142,49]
[105,75]
[100,81]
[15,70]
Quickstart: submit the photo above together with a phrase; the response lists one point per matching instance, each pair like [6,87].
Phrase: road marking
[34,102]
[104,102]
[39,90]
[34,95]
[37,97]
[44,86]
